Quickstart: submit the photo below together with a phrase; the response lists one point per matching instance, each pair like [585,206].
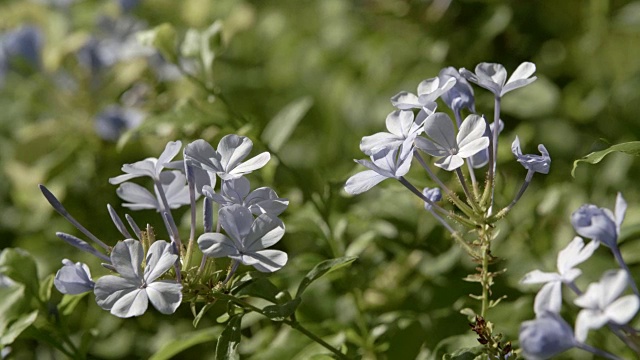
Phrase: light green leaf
[45,287]
[69,303]
[464,354]
[164,38]
[281,312]
[282,125]
[323,268]
[185,341]
[20,266]
[630,148]
[201,313]
[17,326]
[227,348]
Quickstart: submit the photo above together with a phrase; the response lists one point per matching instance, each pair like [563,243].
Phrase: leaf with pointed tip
[282,125]
[630,148]
[227,348]
[201,313]
[281,312]
[323,268]
[184,341]
[261,288]
[20,266]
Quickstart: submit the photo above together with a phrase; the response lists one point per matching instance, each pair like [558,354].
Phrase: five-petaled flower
[546,336]
[445,144]
[173,184]
[247,239]
[151,167]
[402,132]
[129,294]
[493,77]
[429,91]
[386,163]
[262,200]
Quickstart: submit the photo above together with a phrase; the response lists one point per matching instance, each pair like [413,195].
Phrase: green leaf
[282,125]
[185,341]
[630,148]
[164,38]
[464,354]
[13,305]
[323,268]
[17,326]
[281,312]
[45,287]
[20,266]
[260,287]
[69,303]
[201,313]
[227,348]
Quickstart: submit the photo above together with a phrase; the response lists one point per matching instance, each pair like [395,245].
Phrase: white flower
[493,77]
[600,304]
[386,163]
[402,131]
[148,167]
[73,279]
[173,184]
[545,337]
[428,91]
[262,200]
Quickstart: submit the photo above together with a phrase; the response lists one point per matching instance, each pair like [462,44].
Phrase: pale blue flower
[173,184]
[600,224]
[533,163]
[433,194]
[444,143]
[549,297]
[428,91]
[22,47]
[460,96]
[493,77]
[481,158]
[73,279]
[601,304]
[226,161]
[129,294]
[545,337]
[114,120]
[386,163]
[402,132]
[150,167]
[247,239]
[263,200]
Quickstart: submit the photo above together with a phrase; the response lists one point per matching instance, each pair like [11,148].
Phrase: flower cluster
[148,270]
[601,304]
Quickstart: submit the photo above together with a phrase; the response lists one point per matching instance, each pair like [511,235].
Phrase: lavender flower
[129,294]
[533,163]
[247,239]
[114,120]
[545,337]
[22,47]
[402,131]
[481,158]
[600,224]
[173,184]
[260,201]
[459,96]
[150,167]
[73,279]
[433,194]
[386,163]
[600,304]
[493,77]
[428,91]
[226,161]
[445,144]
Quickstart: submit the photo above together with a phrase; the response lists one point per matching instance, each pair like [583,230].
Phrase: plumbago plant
[416,129]
[198,271]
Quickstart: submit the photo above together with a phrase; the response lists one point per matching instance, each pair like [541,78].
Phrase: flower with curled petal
[533,163]
[73,279]
[262,200]
[549,297]
[151,167]
[129,294]
[247,239]
[173,184]
[459,96]
[600,304]
[600,224]
[226,161]
[384,164]
[493,77]
[428,91]
[545,337]
[449,147]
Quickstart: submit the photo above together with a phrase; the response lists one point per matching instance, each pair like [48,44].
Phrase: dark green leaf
[20,266]
[323,268]
[261,288]
[631,148]
[281,312]
[45,287]
[227,348]
[201,313]
[464,354]
[185,341]
[282,125]
[69,303]
[16,327]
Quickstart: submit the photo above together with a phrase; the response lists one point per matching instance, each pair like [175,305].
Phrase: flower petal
[586,320]
[440,129]
[623,310]
[236,220]
[201,154]
[165,295]
[109,288]
[549,298]
[621,210]
[363,181]
[450,162]
[137,196]
[248,166]
[217,245]
[473,127]
[133,303]
[430,147]
[159,259]
[170,151]
[73,278]
[268,260]
[126,257]
[575,253]
[405,101]
[473,147]
[266,230]
[537,277]
[378,141]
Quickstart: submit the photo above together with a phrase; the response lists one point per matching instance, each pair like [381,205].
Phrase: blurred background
[81,94]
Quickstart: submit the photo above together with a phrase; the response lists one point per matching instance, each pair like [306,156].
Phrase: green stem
[486,285]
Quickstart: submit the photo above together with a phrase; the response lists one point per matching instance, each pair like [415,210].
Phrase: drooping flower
[263,200]
[151,167]
[247,239]
[533,163]
[402,131]
[600,224]
[545,337]
[73,279]
[226,161]
[444,143]
[129,294]
[601,304]
[549,298]
[173,184]
[433,194]
[459,96]
[428,91]
[493,77]
[386,163]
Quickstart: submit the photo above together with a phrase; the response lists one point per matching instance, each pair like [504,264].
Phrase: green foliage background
[341,60]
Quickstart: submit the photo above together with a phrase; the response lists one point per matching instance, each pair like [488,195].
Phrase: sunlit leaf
[282,125]
[630,148]
[227,348]
[20,266]
[323,268]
